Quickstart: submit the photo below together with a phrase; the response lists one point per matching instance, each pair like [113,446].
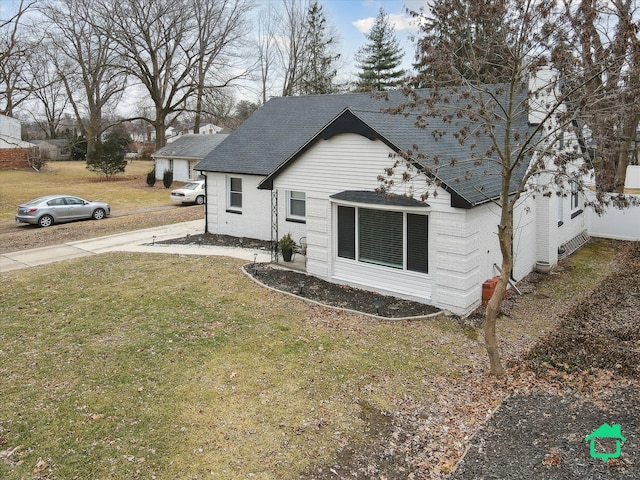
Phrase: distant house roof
[190,146]
[282,129]
[10,142]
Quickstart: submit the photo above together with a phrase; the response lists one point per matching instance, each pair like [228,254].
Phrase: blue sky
[354,18]
[351,18]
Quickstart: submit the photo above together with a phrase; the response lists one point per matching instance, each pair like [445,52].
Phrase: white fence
[614,223]
[633,177]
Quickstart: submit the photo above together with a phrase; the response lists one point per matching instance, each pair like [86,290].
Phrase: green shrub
[167,178]
[151,177]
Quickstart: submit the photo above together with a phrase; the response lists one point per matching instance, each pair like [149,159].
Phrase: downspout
[206,203]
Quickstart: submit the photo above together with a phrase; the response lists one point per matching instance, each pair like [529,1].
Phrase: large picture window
[383,237]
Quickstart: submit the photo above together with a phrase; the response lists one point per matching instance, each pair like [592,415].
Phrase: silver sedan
[50,209]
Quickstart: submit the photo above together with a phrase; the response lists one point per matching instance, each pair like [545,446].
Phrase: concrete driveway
[134,241]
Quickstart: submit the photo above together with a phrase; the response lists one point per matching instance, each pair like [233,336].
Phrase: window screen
[297,201]
[380,237]
[235,192]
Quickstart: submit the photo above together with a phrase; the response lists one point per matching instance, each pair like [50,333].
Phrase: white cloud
[400,22]
[364,24]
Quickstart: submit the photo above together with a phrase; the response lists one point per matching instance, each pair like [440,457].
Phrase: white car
[192,192]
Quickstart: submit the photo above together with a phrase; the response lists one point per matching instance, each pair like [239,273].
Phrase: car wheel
[45,221]
[199,199]
[98,214]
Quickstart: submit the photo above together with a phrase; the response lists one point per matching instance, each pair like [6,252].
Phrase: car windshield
[191,186]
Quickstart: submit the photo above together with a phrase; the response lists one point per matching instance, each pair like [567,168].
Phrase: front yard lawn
[114,366]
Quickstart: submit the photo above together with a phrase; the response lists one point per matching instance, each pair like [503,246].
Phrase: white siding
[632,179]
[181,170]
[255,219]
[462,243]
[161,166]
[614,223]
[524,237]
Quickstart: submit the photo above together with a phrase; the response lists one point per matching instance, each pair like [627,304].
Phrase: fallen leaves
[10,456]
[552,458]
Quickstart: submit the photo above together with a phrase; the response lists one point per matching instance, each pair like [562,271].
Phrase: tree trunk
[161,139]
[505,238]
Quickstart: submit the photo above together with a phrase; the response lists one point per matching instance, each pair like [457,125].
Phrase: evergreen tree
[380,58]
[108,156]
[320,65]
[464,40]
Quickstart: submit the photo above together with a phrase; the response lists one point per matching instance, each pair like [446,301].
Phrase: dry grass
[155,373]
[134,204]
[18,186]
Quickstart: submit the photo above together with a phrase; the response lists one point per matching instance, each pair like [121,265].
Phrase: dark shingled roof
[285,127]
[194,146]
[373,198]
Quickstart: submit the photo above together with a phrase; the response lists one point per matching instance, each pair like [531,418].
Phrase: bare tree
[49,90]
[600,47]
[159,42]
[221,29]
[294,36]
[488,113]
[265,45]
[15,49]
[87,63]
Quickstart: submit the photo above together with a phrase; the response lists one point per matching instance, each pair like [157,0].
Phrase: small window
[575,202]
[296,205]
[560,210]
[235,193]
[347,232]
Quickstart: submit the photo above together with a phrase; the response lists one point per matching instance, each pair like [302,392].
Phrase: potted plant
[286,245]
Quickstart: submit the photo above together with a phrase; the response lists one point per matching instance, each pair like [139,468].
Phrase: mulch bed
[591,363]
[335,295]
[543,436]
[310,287]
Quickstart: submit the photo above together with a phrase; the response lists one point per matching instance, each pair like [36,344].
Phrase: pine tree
[380,58]
[464,40]
[108,157]
[320,66]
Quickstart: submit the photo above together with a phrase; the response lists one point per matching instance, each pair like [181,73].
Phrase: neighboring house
[54,149]
[14,152]
[182,155]
[208,129]
[309,166]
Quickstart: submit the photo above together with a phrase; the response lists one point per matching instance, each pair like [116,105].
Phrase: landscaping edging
[343,309]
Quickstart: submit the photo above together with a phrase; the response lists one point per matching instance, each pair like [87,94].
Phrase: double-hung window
[383,237]
[296,206]
[235,194]
[575,200]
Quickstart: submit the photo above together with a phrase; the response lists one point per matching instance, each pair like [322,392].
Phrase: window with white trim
[575,202]
[235,194]
[296,206]
[384,237]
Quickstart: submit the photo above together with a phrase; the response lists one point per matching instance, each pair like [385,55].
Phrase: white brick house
[309,166]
